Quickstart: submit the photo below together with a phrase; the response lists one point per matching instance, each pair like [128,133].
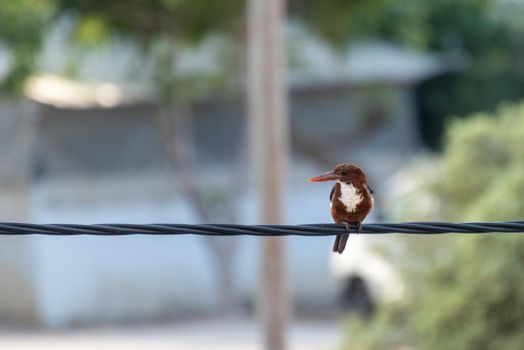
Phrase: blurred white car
[366,276]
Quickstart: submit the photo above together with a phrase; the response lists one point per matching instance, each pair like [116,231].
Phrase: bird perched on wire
[351,199]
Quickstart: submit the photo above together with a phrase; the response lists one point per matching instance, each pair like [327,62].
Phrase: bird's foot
[341,239]
[356,226]
[359,227]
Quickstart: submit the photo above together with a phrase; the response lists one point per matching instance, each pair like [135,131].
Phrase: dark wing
[331,194]
[369,189]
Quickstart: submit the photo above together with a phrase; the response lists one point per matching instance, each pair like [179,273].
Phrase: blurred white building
[92,153]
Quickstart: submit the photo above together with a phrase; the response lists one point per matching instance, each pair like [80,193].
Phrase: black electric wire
[14,229]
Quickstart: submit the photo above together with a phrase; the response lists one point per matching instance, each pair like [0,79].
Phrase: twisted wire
[14,229]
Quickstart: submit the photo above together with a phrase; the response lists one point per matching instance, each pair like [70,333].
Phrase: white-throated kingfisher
[351,199]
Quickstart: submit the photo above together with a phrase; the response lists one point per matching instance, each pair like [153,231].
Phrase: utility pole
[268,128]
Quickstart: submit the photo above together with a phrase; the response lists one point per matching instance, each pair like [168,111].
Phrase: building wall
[109,165]
[94,142]
[17,264]
[85,280]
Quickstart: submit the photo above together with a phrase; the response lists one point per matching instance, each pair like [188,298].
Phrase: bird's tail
[340,243]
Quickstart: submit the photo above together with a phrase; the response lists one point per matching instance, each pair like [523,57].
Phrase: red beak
[329,176]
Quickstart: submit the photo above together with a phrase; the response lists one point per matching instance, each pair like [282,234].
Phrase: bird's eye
[343,173]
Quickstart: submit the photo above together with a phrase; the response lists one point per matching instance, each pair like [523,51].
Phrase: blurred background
[136,112]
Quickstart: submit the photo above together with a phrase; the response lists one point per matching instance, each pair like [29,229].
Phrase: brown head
[344,172]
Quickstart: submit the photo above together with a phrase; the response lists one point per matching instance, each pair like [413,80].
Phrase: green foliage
[91,31]
[340,21]
[378,333]
[22,25]
[433,25]
[465,292]
[485,157]
[475,299]
[147,20]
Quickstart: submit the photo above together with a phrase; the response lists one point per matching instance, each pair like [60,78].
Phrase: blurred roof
[366,63]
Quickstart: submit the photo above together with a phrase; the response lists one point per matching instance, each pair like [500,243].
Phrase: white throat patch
[349,196]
